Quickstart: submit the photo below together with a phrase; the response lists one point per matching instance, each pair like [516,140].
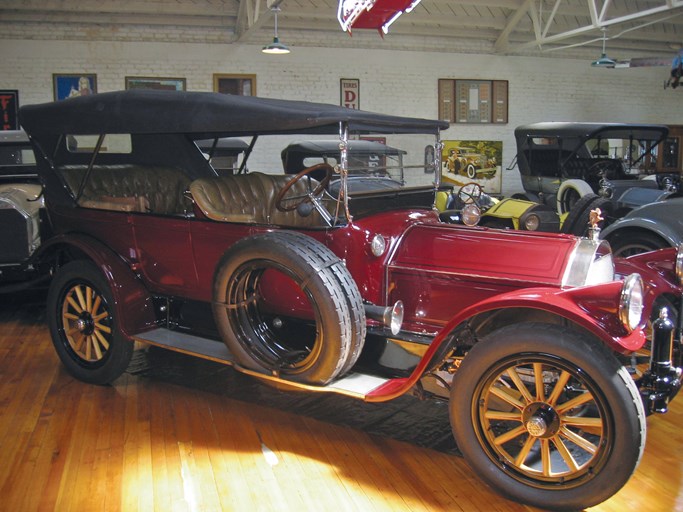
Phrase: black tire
[84,329]
[471,172]
[629,242]
[312,351]
[596,402]
[576,222]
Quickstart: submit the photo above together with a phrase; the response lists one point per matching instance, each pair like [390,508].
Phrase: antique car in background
[560,162]
[364,293]
[370,165]
[225,155]
[506,213]
[21,213]
[648,227]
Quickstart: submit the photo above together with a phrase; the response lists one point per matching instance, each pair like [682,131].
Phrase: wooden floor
[150,443]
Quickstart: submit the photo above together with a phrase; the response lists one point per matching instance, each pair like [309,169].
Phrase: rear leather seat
[130,188]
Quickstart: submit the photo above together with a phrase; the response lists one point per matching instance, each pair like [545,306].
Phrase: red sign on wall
[9,110]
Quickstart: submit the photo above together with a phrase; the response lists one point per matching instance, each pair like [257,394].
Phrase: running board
[356,385]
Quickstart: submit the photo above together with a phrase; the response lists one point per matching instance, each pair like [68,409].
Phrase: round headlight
[471,214]
[631,302]
[679,264]
[378,245]
[532,222]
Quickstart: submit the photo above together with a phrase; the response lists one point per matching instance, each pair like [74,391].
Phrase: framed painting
[241,85]
[148,82]
[465,161]
[70,85]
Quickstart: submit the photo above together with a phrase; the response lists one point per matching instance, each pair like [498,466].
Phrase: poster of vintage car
[465,161]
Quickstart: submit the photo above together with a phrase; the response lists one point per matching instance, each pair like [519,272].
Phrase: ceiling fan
[606,62]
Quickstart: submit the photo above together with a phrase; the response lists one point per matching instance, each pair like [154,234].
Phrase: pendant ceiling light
[276,47]
[604,61]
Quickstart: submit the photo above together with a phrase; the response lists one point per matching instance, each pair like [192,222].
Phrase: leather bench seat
[130,188]
[250,198]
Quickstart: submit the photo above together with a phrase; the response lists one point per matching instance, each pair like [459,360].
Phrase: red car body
[369,294]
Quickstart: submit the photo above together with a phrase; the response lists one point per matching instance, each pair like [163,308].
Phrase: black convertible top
[205,113]
[586,131]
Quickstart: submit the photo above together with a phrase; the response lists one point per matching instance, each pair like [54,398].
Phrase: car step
[356,385]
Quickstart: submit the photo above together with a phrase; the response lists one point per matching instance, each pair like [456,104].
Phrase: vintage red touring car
[364,293]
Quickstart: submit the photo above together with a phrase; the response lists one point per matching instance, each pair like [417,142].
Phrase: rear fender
[592,308]
[132,301]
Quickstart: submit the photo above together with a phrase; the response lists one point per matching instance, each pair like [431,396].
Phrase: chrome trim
[378,245]
[589,264]
[631,301]
[679,264]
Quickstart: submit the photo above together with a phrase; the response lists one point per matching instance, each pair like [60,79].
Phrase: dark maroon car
[363,293]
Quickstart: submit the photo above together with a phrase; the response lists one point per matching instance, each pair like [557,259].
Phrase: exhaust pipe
[389,316]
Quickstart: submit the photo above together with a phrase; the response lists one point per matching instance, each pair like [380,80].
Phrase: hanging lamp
[604,61]
[276,47]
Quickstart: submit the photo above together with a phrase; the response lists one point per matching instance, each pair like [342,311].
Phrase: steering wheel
[604,168]
[280,200]
[470,193]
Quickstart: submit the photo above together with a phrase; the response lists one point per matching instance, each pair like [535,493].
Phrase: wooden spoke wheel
[87,322]
[547,415]
[83,324]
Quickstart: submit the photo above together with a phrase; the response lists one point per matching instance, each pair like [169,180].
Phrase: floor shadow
[419,422]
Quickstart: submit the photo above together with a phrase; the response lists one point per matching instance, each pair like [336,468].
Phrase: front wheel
[547,416]
[627,243]
[84,329]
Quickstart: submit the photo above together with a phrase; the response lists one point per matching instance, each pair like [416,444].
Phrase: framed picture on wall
[9,109]
[241,85]
[473,101]
[467,161]
[147,82]
[69,85]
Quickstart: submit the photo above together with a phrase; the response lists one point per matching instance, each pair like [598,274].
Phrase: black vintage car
[371,165]
[561,162]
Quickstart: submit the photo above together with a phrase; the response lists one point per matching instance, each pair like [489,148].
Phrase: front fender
[593,308]
[132,301]
[657,268]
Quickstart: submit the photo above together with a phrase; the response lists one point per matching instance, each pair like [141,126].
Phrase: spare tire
[569,193]
[286,304]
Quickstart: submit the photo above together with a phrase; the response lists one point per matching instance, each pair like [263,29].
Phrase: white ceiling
[552,28]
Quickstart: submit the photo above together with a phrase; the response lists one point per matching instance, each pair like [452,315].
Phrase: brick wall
[398,82]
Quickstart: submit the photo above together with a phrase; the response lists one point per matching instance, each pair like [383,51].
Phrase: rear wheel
[547,416]
[83,326]
[285,303]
